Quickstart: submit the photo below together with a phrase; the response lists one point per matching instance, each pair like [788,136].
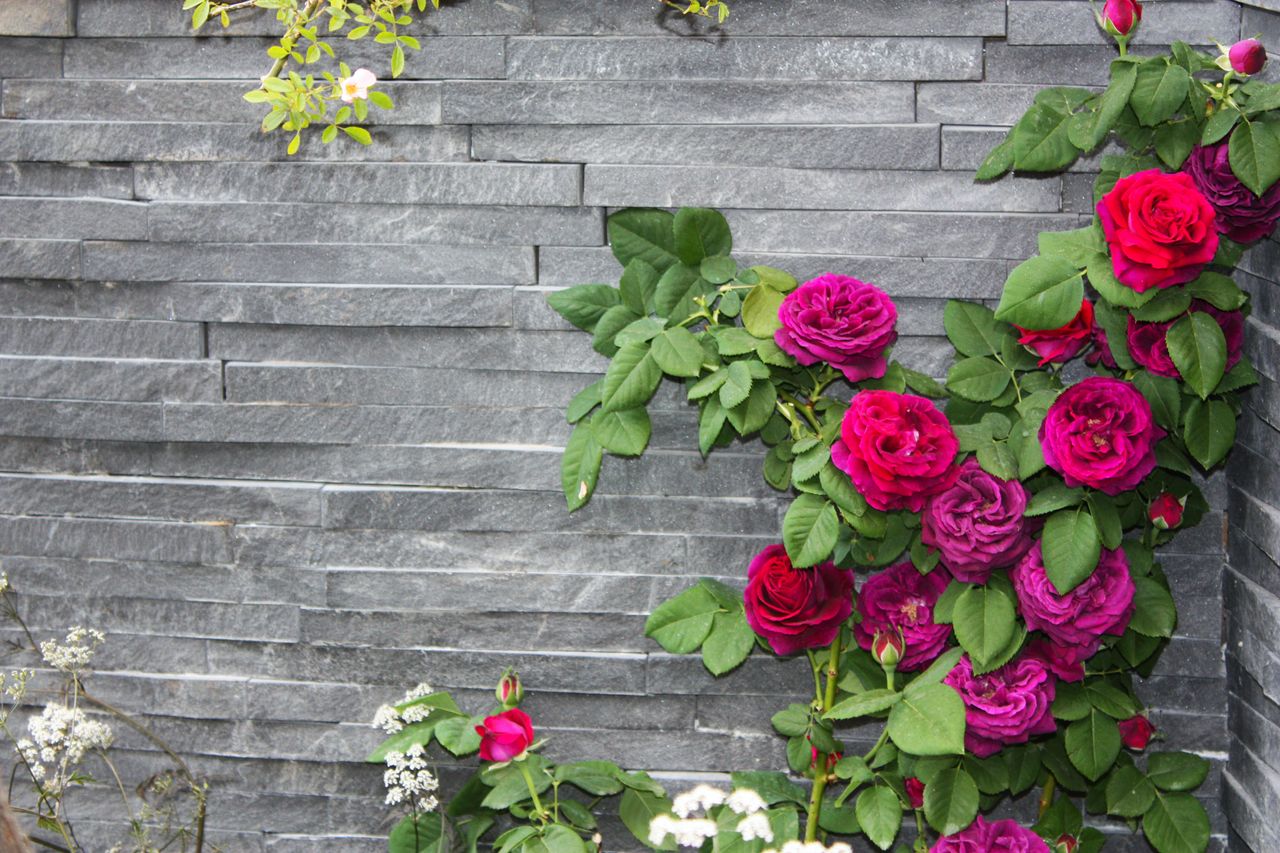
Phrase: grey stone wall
[289,429]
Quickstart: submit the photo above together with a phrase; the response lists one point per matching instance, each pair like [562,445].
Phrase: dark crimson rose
[1101,604]
[1001,836]
[1100,433]
[1150,349]
[1241,215]
[898,603]
[505,736]
[977,524]
[1065,662]
[897,448]
[1247,56]
[796,609]
[915,792]
[847,323]
[1063,343]
[1101,353]
[1136,732]
[1005,706]
[1165,511]
[1119,17]
[1160,229]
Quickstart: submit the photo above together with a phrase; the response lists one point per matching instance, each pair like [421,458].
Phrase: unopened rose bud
[1066,844]
[509,692]
[1165,511]
[888,649]
[1247,56]
[915,792]
[1119,17]
[1136,732]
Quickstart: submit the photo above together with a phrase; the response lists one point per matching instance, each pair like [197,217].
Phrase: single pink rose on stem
[1247,56]
[506,736]
[839,320]
[356,87]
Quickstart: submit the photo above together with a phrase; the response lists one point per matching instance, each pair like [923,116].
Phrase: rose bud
[888,649]
[1065,844]
[1165,511]
[1136,732]
[505,736]
[1247,57]
[1119,17]
[509,690]
[915,792]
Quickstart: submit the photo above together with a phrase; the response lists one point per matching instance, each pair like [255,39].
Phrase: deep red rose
[1119,17]
[1136,732]
[1247,56]
[1101,353]
[1165,511]
[1100,433]
[897,448]
[1063,343]
[505,736]
[1150,349]
[896,606]
[1160,229]
[1241,215]
[915,792]
[796,609]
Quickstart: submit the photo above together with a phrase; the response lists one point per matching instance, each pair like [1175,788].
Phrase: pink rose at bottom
[900,599]
[1005,706]
[1001,836]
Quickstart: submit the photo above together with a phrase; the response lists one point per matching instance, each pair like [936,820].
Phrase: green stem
[533,790]
[1046,796]
[805,409]
[827,699]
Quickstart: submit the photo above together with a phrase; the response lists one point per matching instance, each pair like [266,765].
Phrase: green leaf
[1219,125]
[610,325]
[879,814]
[511,788]
[1210,431]
[631,379]
[420,733]
[979,379]
[1154,612]
[780,281]
[1042,293]
[1158,91]
[1218,290]
[1176,771]
[1165,306]
[1254,152]
[1103,278]
[937,670]
[710,424]
[809,530]
[625,433]
[752,414]
[729,643]
[950,801]
[1177,823]
[718,269]
[680,624]
[699,233]
[643,233]
[760,311]
[862,704]
[458,734]
[1041,141]
[1023,763]
[598,778]
[1106,518]
[791,721]
[808,464]
[1110,700]
[677,289]
[998,161]
[1053,497]
[1093,744]
[1071,547]
[984,621]
[584,305]
[417,833]
[580,466]
[1070,702]
[929,722]
[638,808]
[637,285]
[1114,100]
[359,134]
[583,402]
[925,386]
[1163,393]
[1174,142]
[1199,349]
[839,488]
[678,352]
[1129,793]
[1077,246]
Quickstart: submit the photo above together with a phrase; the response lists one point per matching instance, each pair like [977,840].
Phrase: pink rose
[900,601]
[796,609]
[1241,215]
[1100,433]
[897,448]
[1159,228]
[1063,343]
[845,322]
[1101,604]
[1001,836]
[1150,349]
[1065,662]
[1005,706]
[505,736]
[977,523]
[1247,56]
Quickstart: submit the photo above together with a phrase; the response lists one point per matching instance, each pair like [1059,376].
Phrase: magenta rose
[1063,343]
[796,609]
[1150,349]
[1065,662]
[1247,56]
[1005,706]
[1001,836]
[1101,353]
[900,599]
[1101,604]
[1241,215]
[1160,229]
[897,448]
[977,523]
[505,736]
[847,323]
[1100,433]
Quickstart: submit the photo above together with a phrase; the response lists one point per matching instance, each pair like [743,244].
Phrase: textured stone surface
[37,18]
[1065,22]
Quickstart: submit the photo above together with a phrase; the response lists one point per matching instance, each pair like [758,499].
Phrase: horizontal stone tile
[727,186]
[172,695]
[254,222]
[58,179]
[115,540]
[288,263]
[635,102]
[74,219]
[31,140]
[1063,22]
[207,501]
[121,338]
[246,58]
[743,58]
[850,146]
[29,258]
[29,57]
[82,419]
[203,101]
[38,18]
[165,618]
[974,103]
[140,380]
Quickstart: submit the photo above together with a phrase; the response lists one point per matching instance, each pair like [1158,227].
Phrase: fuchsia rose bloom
[1001,836]
[1247,56]
[505,736]
[901,599]
[1121,15]
[1136,732]
[1005,706]
[847,323]
[1063,343]
[796,609]
[1241,215]
[1100,433]
[1148,347]
[1160,229]
[1101,604]
[977,523]
[897,448]
[1065,662]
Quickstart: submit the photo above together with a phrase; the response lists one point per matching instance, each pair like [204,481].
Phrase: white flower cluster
[812,847]
[73,655]
[391,721]
[690,831]
[60,736]
[4,582]
[407,779]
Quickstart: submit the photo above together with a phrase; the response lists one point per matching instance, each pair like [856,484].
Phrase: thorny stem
[821,772]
